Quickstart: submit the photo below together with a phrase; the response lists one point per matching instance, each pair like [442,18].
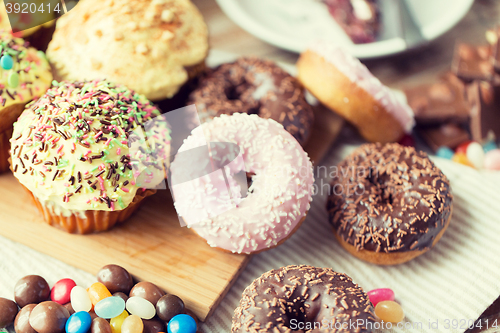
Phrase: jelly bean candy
[79,322]
[98,292]
[141,307]
[379,295]
[132,324]
[117,322]
[462,148]
[110,307]
[80,300]
[61,291]
[461,158]
[389,311]
[445,152]
[475,155]
[489,146]
[6,62]
[407,140]
[182,324]
[492,160]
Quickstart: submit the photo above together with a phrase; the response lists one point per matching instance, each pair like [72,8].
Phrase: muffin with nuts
[72,150]
[150,46]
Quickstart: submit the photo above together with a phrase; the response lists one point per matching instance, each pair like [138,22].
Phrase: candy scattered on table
[8,312]
[382,294]
[61,291]
[445,152]
[182,324]
[141,307]
[109,307]
[31,289]
[492,160]
[389,311]
[475,155]
[407,140]
[73,309]
[79,322]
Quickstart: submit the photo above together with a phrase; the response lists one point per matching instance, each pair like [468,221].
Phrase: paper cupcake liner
[94,220]
[8,117]
[5,150]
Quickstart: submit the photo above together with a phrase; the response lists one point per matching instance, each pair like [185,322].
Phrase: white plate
[294,24]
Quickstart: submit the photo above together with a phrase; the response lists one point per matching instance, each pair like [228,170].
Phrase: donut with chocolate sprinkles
[254,86]
[388,203]
[305,299]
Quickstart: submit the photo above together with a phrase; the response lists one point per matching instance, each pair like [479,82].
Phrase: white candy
[141,307]
[80,300]
[475,154]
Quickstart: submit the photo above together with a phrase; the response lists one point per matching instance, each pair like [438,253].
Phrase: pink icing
[361,76]
[278,199]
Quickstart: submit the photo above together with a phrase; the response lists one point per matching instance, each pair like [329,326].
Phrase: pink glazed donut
[277,201]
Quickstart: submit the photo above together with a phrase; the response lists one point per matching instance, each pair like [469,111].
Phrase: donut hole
[232,93]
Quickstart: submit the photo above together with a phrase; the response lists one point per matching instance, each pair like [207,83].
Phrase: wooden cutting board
[151,245]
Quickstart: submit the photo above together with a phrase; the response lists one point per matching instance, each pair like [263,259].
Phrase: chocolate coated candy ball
[115,278]
[191,314]
[22,323]
[168,307]
[8,312]
[49,317]
[153,326]
[69,307]
[100,325]
[122,296]
[148,291]
[31,289]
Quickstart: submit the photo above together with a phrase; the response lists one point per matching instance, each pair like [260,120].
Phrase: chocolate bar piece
[484,98]
[440,102]
[493,37]
[449,135]
[472,62]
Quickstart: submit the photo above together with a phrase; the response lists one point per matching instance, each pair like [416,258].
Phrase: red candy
[61,291]
[462,148]
[407,140]
[380,295]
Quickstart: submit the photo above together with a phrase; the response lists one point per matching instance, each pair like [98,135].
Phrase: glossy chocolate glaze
[280,299]
[389,198]
[255,86]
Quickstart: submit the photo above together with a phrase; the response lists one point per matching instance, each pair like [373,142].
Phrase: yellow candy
[462,159]
[389,311]
[132,324]
[117,322]
[98,292]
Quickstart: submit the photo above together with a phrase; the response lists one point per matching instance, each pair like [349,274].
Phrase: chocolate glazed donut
[389,203]
[305,299]
[252,85]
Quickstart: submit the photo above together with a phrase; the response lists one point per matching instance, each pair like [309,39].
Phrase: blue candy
[489,146]
[182,323]
[110,307]
[445,152]
[79,323]
[6,62]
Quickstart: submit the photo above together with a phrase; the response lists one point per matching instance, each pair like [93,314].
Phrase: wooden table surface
[419,66]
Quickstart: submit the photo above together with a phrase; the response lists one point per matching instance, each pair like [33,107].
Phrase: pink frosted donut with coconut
[361,76]
[277,200]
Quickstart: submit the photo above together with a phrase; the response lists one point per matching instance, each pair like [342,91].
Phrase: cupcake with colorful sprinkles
[24,75]
[72,150]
